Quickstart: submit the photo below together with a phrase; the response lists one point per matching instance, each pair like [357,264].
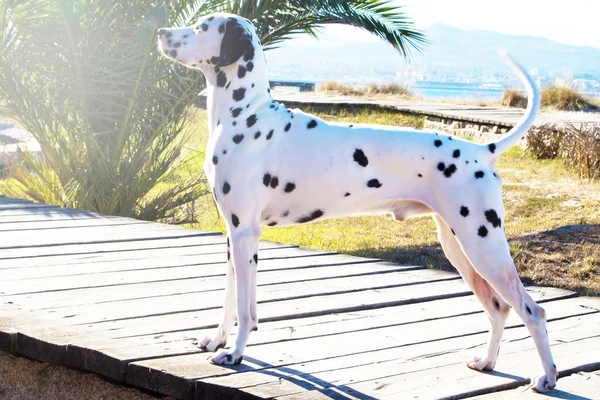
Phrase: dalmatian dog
[268,165]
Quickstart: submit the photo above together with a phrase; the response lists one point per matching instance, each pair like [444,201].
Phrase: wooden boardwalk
[493,115]
[126,299]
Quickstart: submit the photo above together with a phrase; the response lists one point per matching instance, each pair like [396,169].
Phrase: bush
[514,98]
[565,99]
[578,147]
[390,89]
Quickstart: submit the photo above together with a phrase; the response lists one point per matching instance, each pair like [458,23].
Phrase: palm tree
[85,78]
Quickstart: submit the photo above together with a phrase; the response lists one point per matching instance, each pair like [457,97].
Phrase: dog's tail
[533,106]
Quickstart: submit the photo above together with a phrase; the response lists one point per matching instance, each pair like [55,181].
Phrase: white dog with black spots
[268,165]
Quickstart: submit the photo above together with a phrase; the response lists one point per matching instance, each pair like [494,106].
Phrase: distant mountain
[453,53]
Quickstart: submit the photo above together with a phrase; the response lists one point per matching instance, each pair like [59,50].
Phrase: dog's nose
[162,31]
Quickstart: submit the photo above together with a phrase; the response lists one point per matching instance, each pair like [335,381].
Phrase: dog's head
[217,40]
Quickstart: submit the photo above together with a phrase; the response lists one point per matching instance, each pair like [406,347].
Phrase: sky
[573,22]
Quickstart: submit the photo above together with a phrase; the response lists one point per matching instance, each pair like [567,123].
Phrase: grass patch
[372,90]
[566,99]
[513,98]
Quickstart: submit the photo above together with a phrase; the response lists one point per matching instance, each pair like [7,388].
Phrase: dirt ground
[24,379]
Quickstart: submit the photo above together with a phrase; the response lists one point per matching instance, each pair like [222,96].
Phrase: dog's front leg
[244,252]
[229,310]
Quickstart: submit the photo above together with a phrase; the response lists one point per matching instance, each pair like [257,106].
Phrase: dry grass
[566,99]
[577,146]
[513,98]
[372,90]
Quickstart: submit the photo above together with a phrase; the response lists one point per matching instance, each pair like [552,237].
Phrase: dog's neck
[225,101]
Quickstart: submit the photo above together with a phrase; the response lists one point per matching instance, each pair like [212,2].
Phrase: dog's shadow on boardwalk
[306,382]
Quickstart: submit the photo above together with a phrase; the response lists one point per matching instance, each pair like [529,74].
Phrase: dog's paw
[223,357]
[479,364]
[542,384]
[212,345]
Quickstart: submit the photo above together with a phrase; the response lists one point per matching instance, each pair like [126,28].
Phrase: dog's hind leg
[481,237]
[229,310]
[495,307]
[244,253]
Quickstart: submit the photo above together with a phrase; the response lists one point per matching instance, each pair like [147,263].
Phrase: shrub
[578,147]
[390,89]
[565,99]
[544,141]
[514,98]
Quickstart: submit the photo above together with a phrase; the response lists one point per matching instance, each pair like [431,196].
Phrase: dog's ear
[236,42]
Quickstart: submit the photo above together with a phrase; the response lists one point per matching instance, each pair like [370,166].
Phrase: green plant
[566,99]
[85,78]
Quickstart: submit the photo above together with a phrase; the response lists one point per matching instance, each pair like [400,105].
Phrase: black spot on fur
[204,27]
[178,44]
[250,67]
[493,219]
[236,112]
[449,137]
[312,124]
[272,223]
[226,187]
[346,194]
[211,18]
[496,303]
[351,126]
[241,71]
[218,122]
[270,134]
[255,257]
[235,220]
[492,147]
[234,123]
[464,211]
[249,54]
[251,120]
[289,187]
[285,213]
[437,142]
[272,106]
[450,170]
[238,138]
[173,53]
[257,135]
[441,166]
[374,183]
[253,85]
[288,126]
[214,60]
[222,28]
[360,158]
[239,94]
[228,84]
[527,309]
[482,231]
[266,179]
[224,151]
[479,174]
[215,160]
[274,182]
[228,250]
[456,153]
[310,217]
[452,230]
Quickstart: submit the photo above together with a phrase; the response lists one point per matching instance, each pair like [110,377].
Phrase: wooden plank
[302,352]
[578,386]
[54,214]
[107,353]
[411,366]
[56,237]
[68,224]
[43,268]
[87,251]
